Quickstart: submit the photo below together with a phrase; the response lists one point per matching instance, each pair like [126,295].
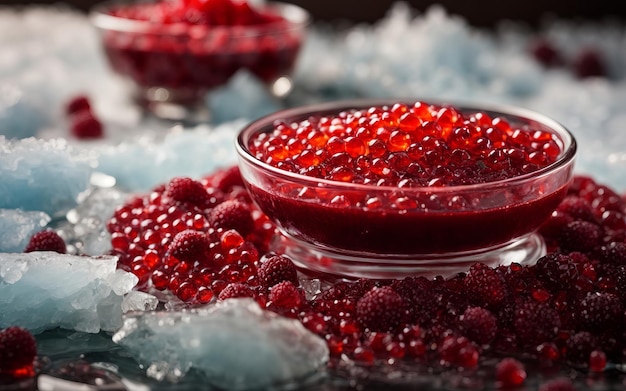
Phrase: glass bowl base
[327,264]
[184,105]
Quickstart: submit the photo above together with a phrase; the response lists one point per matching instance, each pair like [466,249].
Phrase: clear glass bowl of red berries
[384,189]
[172,53]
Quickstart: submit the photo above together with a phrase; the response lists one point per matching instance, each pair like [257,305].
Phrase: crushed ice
[235,344]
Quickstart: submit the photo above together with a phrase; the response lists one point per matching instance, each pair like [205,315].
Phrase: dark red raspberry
[232,214]
[589,63]
[458,351]
[188,191]
[545,53]
[510,373]
[556,271]
[77,104]
[479,325]
[234,290]
[286,296]
[600,311]
[535,323]
[613,253]
[580,236]
[578,208]
[559,384]
[417,293]
[85,125]
[190,246]
[485,287]
[47,240]
[277,268]
[18,348]
[380,309]
[579,346]
[226,179]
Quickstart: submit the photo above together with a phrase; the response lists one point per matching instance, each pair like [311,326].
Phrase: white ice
[235,344]
[45,290]
[17,226]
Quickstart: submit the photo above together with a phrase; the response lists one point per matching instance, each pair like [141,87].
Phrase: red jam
[424,178]
[199,45]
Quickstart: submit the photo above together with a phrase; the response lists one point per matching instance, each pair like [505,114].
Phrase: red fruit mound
[566,309]
[406,145]
[47,240]
[18,349]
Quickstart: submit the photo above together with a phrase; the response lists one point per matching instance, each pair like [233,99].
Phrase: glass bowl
[331,227]
[172,64]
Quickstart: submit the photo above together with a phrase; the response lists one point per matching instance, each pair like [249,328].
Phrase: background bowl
[334,220]
[179,62]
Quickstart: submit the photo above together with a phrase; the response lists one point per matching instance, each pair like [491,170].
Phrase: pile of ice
[235,344]
[46,290]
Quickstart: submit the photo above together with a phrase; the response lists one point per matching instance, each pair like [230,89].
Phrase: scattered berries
[589,63]
[188,190]
[47,240]
[380,309]
[510,373]
[83,122]
[190,246]
[286,296]
[277,268]
[18,349]
[232,214]
[479,325]
[78,104]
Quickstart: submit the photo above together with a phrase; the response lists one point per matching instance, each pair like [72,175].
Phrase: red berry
[535,323]
[578,208]
[190,246]
[18,348]
[232,214]
[479,325]
[580,236]
[559,384]
[600,311]
[47,240]
[77,104]
[380,309]
[589,63]
[226,179]
[510,373]
[85,125]
[597,361]
[235,289]
[187,191]
[545,53]
[277,268]
[485,286]
[286,296]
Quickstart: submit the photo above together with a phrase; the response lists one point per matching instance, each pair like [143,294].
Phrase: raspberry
[47,240]
[235,289]
[613,253]
[485,286]
[545,53]
[459,351]
[85,125]
[380,309]
[77,104]
[275,269]
[18,348]
[188,191]
[559,384]
[189,246]
[226,179]
[286,296]
[556,271]
[417,293]
[479,325]
[600,311]
[580,236]
[578,208]
[589,63]
[535,323]
[579,347]
[510,373]
[232,214]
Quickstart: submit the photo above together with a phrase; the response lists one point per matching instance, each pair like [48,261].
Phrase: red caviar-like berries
[47,240]
[510,373]
[18,349]
[380,309]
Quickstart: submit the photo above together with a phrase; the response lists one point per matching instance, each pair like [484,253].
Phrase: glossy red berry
[479,325]
[380,309]
[47,240]
[277,268]
[77,104]
[510,373]
[190,246]
[234,290]
[187,190]
[85,125]
[18,348]
[232,214]
[286,296]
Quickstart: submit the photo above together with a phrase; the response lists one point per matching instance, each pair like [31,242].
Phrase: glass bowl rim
[567,155]
[298,18]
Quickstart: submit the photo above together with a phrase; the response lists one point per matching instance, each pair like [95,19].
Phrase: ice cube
[45,290]
[17,226]
[39,175]
[235,344]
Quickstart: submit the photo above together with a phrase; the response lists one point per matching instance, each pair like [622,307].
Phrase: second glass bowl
[495,223]
[172,66]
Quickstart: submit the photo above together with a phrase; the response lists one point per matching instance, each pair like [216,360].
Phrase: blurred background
[480,13]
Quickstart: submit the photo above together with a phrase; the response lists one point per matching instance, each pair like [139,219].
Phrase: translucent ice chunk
[17,226]
[41,175]
[234,343]
[44,290]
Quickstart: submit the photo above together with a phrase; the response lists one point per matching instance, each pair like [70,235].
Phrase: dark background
[482,13]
